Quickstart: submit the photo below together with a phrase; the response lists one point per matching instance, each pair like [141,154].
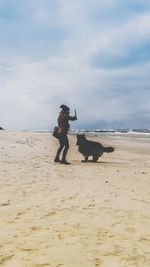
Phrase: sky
[91,55]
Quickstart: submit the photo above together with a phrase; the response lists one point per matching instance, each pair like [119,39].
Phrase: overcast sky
[92,55]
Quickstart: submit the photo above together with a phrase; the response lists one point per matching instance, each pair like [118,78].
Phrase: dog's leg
[85,159]
[100,154]
[95,158]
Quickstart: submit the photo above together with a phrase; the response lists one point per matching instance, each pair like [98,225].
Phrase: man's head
[64,108]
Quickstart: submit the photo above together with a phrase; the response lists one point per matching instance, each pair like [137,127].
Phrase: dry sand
[82,215]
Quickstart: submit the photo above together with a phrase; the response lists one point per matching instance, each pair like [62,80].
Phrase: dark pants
[64,145]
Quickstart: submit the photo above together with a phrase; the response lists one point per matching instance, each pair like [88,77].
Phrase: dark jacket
[63,121]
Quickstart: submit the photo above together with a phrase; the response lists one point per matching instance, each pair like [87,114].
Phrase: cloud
[93,56]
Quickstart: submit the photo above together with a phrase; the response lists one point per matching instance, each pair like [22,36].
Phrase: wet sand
[82,215]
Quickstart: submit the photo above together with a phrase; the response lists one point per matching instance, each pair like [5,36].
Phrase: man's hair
[64,107]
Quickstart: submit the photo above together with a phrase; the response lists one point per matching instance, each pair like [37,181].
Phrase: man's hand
[75,114]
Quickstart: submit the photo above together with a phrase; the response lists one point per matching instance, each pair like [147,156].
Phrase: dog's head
[80,139]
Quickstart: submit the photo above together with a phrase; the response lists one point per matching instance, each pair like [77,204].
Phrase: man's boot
[64,161]
[57,159]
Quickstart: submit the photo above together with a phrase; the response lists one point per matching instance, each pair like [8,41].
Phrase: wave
[131,131]
[117,133]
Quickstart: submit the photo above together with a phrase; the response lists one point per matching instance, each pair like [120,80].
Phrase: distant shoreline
[104,133]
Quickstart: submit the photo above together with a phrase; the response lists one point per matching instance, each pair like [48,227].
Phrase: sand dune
[82,215]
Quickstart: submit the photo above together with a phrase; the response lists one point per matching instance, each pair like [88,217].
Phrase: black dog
[90,148]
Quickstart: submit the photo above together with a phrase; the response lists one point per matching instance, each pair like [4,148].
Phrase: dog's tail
[109,149]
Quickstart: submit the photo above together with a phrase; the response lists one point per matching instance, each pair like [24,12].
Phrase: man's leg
[57,159]
[66,144]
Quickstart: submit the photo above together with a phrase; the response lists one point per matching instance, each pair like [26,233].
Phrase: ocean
[116,133]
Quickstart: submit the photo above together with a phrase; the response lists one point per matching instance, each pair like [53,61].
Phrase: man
[63,127]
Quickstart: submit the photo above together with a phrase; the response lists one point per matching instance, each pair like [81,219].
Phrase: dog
[90,148]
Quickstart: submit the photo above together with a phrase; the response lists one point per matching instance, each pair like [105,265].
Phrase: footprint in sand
[110,261]
[50,213]
[35,228]
[145,240]
[7,203]
[130,230]
[43,265]
[60,237]
[19,214]
[97,262]
[28,249]
[5,258]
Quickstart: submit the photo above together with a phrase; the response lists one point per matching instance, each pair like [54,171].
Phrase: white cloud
[33,87]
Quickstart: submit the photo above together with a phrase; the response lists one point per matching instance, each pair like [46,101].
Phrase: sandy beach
[82,215]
